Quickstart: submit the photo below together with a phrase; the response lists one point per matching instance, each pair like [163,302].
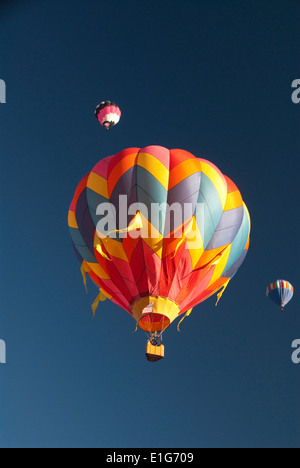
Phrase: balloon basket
[154,352]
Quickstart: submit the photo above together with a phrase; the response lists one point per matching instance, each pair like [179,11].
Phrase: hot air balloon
[280,292]
[158,231]
[108,114]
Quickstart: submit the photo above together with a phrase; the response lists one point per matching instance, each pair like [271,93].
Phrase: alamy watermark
[2,101]
[296,93]
[296,353]
[2,92]
[2,352]
[160,219]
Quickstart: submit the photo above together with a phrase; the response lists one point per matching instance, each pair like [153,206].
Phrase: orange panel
[154,322]
[184,170]
[119,170]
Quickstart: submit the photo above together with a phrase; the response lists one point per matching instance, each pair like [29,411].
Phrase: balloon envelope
[108,114]
[158,231]
[280,292]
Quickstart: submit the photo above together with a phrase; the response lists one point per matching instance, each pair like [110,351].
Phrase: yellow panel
[72,220]
[115,248]
[105,293]
[152,237]
[220,265]
[248,214]
[155,167]
[161,305]
[234,200]
[194,243]
[208,256]
[98,184]
[217,286]
[98,270]
[217,180]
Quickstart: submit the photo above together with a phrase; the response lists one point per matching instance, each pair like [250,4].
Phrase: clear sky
[207,76]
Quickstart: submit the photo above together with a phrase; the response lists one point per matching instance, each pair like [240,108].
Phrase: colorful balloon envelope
[158,231]
[280,292]
[108,114]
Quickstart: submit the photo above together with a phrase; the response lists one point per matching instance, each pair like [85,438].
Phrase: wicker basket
[154,353]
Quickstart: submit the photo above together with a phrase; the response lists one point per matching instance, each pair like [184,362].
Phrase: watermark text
[296,353]
[296,93]
[2,352]
[2,92]
[175,221]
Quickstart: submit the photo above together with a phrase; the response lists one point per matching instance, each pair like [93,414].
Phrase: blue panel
[94,200]
[281,296]
[240,241]
[227,229]
[85,223]
[275,296]
[150,191]
[230,272]
[212,211]
[80,245]
[186,189]
[151,186]
[124,186]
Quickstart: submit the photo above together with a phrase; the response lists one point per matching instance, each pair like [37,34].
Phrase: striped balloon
[280,292]
[186,259]
[108,114]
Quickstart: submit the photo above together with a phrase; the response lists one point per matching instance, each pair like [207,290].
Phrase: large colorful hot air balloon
[108,114]
[280,292]
[158,231]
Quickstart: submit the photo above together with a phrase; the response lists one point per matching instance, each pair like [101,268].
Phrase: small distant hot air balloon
[108,114]
[280,292]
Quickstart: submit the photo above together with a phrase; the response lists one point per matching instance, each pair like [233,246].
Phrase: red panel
[118,157]
[231,187]
[194,288]
[125,271]
[116,277]
[130,245]
[143,285]
[137,263]
[145,266]
[173,270]
[102,167]
[208,292]
[178,156]
[153,264]
[94,278]
[111,289]
[165,285]
[160,153]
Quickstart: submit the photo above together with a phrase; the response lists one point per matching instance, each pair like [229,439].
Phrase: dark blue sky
[211,77]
